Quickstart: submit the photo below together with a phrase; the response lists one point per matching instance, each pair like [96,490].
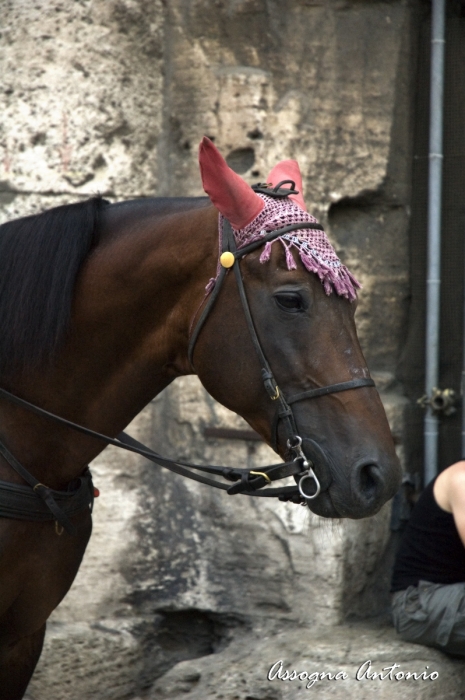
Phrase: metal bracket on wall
[441,401]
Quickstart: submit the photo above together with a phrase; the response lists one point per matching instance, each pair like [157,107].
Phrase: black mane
[40,257]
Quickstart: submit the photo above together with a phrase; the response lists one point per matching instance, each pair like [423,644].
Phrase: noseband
[38,502]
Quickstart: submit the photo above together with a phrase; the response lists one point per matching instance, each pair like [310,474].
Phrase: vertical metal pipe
[433,288]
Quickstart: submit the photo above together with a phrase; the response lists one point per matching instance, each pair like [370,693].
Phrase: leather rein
[246,481]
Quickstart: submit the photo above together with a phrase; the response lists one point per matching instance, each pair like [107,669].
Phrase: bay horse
[103,305]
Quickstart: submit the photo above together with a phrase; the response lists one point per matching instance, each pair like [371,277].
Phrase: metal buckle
[308,472]
[265,476]
[275,397]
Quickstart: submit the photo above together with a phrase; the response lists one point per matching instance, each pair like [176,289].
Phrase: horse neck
[135,300]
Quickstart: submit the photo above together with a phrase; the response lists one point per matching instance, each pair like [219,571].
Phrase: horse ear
[289,170]
[227,190]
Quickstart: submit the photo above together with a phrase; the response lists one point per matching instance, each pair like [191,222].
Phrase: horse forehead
[311,246]
[276,270]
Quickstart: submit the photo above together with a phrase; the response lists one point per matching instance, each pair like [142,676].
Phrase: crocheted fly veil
[254,214]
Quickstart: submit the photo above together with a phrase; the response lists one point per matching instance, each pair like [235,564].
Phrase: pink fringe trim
[337,279]
[265,256]
[291,265]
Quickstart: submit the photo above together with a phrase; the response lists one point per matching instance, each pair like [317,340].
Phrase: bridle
[230,257]
[246,481]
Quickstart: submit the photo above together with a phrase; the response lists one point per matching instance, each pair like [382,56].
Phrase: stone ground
[354,651]
[238,673]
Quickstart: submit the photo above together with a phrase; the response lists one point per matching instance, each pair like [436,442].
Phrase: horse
[103,305]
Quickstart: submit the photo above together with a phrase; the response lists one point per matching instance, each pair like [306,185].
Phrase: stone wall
[113,96]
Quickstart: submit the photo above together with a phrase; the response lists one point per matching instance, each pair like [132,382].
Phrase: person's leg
[456,642]
[410,616]
[433,615]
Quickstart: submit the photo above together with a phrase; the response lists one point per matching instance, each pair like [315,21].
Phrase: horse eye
[290,301]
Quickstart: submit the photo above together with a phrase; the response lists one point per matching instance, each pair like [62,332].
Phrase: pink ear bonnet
[253,214]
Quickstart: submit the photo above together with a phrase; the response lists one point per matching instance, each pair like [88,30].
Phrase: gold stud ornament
[227,259]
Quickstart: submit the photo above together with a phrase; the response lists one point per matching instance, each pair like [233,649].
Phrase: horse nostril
[367,482]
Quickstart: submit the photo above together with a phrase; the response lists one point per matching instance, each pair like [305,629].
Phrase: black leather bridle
[246,481]
[231,257]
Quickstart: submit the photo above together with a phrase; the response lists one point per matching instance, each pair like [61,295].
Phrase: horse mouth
[354,489]
[323,506]
[360,495]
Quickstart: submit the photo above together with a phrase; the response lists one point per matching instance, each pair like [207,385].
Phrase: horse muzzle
[364,492]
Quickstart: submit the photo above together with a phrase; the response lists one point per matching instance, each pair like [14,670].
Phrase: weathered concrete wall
[113,96]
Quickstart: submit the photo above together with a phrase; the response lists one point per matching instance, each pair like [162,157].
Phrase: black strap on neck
[24,503]
[40,489]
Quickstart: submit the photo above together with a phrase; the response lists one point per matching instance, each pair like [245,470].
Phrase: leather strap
[274,472]
[24,503]
[40,490]
[228,244]
[205,313]
[126,442]
[331,389]
[272,235]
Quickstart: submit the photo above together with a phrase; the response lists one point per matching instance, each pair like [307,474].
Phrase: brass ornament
[227,259]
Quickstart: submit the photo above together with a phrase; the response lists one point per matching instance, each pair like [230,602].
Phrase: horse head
[279,345]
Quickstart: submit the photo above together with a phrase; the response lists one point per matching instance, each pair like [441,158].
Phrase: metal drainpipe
[433,289]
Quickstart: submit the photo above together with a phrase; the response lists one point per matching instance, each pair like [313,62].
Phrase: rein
[244,483]
[248,482]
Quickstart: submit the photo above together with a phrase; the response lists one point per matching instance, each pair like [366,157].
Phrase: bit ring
[310,475]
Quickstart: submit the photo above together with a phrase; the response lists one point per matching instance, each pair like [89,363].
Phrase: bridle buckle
[307,467]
